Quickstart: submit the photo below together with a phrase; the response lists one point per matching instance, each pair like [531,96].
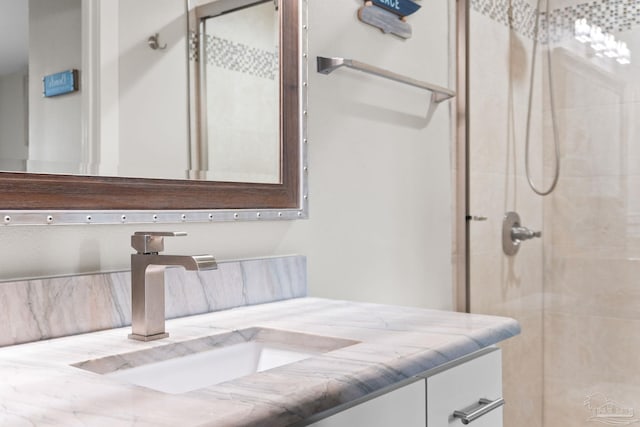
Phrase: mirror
[238,83]
[13,84]
[275,184]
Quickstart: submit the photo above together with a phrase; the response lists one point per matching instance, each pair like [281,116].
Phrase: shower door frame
[461,212]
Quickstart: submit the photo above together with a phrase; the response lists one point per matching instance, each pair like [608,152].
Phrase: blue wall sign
[399,7]
[60,83]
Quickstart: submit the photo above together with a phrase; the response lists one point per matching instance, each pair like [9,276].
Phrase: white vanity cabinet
[461,389]
[405,406]
[432,400]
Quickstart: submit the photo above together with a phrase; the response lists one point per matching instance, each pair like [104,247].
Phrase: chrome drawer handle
[484,407]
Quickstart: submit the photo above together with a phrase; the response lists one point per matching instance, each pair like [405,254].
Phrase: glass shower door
[591,251]
[576,291]
[499,71]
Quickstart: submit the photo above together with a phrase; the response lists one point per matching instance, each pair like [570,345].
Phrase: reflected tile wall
[242,58]
[48,308]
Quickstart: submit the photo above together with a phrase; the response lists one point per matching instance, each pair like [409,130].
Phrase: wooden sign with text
[389,15]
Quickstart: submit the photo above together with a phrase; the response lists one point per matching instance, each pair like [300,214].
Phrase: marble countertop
[38,385]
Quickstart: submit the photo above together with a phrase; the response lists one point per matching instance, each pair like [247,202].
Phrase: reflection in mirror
[240,84]
[240,99]
[55,124]
[13,84]
[61,134]
[34,135]
[132,121]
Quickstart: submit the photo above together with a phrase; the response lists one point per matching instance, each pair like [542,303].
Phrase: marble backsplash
[39,309]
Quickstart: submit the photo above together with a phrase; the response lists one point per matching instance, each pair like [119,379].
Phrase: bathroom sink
[191,365]
[199,370]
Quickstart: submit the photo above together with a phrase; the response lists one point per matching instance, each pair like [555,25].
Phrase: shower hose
[554,126]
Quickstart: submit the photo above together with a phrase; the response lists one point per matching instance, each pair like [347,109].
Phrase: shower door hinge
[476,218]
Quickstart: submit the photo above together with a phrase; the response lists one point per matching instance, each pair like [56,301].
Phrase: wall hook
[154,42]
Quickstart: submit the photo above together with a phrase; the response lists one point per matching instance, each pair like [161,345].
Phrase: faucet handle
[152,242]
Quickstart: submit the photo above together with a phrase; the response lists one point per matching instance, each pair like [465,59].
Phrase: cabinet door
[404,407]
[461,388]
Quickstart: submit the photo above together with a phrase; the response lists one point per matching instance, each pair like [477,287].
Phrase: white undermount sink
[191,365]
[195,371]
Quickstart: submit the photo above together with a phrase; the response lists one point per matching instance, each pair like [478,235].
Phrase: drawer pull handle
[483,407]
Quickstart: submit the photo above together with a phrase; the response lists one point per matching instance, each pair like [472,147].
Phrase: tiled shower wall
[500,65]
[500,69]
[576,362]
[592,246]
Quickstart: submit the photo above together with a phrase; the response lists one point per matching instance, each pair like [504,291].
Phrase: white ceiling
[14,35]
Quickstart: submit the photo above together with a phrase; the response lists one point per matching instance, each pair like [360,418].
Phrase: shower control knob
[513,233]
[523,233]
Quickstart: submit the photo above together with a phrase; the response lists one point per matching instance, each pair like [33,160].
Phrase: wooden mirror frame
[25,191]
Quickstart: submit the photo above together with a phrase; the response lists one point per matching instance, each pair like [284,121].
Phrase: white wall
[153,134]
[54,123]
[13,121]
[380,221]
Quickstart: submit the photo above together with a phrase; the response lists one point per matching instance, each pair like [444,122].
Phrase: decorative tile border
[47,308]
[519,15]
[242,58]
[613,16]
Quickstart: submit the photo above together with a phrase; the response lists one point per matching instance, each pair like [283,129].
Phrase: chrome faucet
[147,281]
